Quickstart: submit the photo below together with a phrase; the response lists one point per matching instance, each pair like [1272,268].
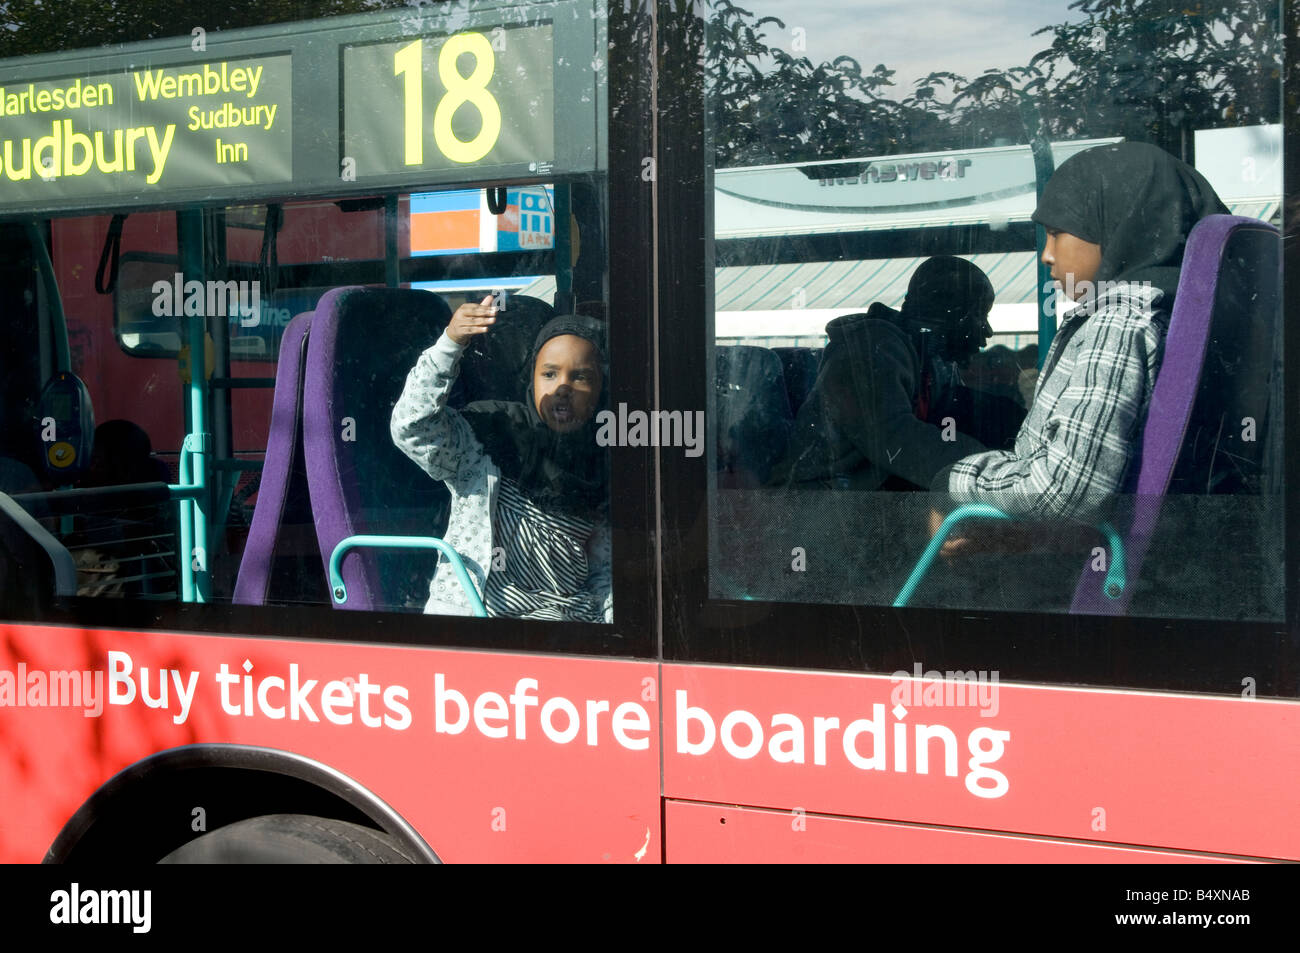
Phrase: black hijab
[1134,200]
[565,473]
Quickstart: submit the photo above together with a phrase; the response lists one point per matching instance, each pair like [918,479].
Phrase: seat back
[281,561]
[754,418]
[1214,422]
[495,365]
[363,343]
[799,365]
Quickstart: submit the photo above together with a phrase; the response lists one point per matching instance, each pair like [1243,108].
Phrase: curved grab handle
[1116,571]
[339,591]
[965,511]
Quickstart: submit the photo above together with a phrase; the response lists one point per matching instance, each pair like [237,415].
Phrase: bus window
[443,291]
[858,400]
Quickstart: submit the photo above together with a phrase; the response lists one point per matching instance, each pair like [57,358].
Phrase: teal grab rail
[188,493]
[193,490]
[1116,570]
[922,567]
[340,592]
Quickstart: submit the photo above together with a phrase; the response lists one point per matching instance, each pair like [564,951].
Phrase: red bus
[227,249]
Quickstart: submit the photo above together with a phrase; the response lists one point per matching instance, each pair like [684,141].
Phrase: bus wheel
[291,839]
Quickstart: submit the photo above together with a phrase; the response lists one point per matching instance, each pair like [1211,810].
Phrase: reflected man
[888,410]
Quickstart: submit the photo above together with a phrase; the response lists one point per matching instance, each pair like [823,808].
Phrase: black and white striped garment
[545,572]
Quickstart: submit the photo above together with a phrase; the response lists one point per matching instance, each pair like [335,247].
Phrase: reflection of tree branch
[42,26]
[1145,69]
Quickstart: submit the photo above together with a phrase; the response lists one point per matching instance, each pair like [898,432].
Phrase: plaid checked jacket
[1082,436]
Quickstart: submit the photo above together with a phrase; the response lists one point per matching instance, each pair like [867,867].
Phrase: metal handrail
[1116,570]
[339,591]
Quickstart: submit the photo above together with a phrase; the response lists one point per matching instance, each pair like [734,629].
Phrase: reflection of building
[801,244]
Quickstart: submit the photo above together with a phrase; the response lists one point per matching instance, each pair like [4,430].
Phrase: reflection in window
[835,184]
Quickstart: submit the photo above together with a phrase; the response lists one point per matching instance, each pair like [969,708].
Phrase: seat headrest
[495,365]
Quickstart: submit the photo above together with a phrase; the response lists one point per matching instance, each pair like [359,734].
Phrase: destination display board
[443,102]
[404,100]
[219,122]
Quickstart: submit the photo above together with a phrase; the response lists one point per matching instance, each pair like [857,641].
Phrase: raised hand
[471,319]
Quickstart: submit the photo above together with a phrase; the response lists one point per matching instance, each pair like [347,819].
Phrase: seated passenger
[888,409]
[123,454]
[529,485]
[1117,220]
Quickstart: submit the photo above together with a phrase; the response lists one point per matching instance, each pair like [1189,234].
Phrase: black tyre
[291,839]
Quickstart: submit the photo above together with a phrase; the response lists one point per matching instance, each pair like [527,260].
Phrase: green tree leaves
[1152,70]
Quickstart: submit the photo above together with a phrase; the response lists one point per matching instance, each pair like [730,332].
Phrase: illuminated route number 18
[472,89]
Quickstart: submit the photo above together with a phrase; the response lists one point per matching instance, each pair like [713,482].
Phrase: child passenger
[529,485]
[1117,220]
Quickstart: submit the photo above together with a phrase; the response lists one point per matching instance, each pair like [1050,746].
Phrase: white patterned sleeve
[1077,464]
[432,434]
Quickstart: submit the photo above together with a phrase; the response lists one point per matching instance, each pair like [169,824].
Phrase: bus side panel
[576,780]
[1214,774]
[710,833]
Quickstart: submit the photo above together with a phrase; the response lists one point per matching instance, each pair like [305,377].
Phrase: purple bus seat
[363,343]
[1221,366]
[281,562]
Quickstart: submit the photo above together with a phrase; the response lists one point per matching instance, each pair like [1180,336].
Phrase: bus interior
[101,458]
[97,443]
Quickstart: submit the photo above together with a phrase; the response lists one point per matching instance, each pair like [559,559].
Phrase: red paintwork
[710,833]
[1198,773]
[565,802]
[1171,772]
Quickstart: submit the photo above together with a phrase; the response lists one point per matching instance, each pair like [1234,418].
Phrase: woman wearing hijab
[1117,220]
[529,484]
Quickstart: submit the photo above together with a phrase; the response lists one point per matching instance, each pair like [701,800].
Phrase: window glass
[899,341]
[422,362]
